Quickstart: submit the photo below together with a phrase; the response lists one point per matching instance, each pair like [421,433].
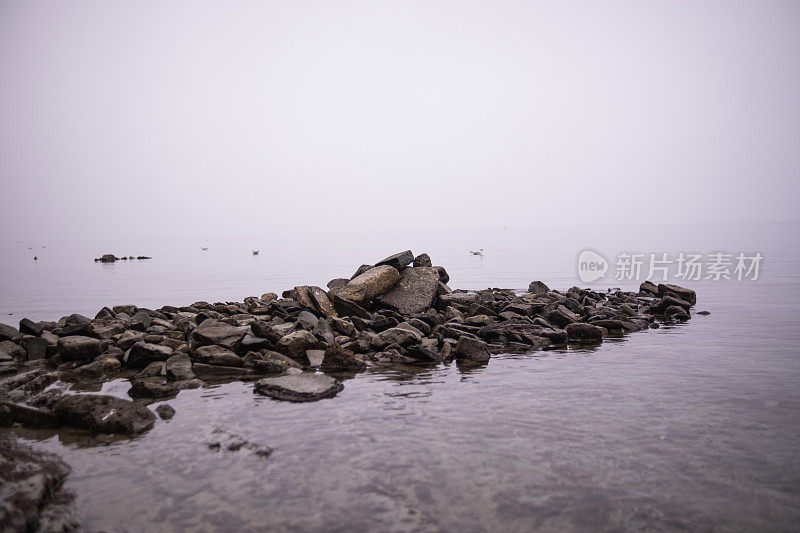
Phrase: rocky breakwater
[397,311]
[300,346]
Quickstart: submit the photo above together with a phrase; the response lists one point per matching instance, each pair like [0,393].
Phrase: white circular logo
[591,266]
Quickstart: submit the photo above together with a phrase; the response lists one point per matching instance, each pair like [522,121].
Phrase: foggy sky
[200,118]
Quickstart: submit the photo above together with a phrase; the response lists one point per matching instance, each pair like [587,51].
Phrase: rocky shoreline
[298,347]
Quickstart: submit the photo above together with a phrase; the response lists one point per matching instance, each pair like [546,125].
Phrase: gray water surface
[688,427]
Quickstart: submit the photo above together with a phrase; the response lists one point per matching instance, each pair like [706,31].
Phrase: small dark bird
[255,252]
[35,258]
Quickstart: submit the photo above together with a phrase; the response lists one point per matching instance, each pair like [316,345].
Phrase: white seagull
[479,252]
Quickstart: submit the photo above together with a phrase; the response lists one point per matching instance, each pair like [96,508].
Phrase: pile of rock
[110,258]
[399,311]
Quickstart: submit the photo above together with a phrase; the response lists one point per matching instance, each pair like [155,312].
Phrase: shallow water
[688,427]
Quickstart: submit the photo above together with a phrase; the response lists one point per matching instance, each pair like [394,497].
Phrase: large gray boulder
[78,348]
[299,387]
[211,331]
[103,414]
[372,283]
[415,292]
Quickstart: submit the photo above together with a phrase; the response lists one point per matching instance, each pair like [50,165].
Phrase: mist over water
[326,135]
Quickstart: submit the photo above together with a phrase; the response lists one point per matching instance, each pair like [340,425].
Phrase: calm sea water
[691,427]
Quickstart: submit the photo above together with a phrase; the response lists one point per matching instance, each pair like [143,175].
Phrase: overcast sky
[199,118]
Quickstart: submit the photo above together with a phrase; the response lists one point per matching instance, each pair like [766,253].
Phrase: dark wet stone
[29,416]
[216,355]
[307,320]
[422,260]
[103,414]
[296,343]
[78,329]
[398,260]
[129,310]
[214,332]
[661,305]
[142,354]
[347,308]
[299,387]
[141,321]
[538,287]
[271,362]
[338,282]
[583,332]
[9,333]
[77,318]
[150,388]
[30,327]
[681,292]
[13,350]
[648,287]
[179,367]
[561,316]
[78,348]
[322,302]
[444,277]
[203,370]
[340,360]
[36,347]
[675,312]
[472,349]
[399,336]
[610,324]
[426,351]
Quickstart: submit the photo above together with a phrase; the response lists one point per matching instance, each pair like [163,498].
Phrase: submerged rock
[32,497]
[103,414]
[165,411]
[299,387]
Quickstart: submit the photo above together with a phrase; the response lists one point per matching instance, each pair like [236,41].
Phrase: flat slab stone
[299,387]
